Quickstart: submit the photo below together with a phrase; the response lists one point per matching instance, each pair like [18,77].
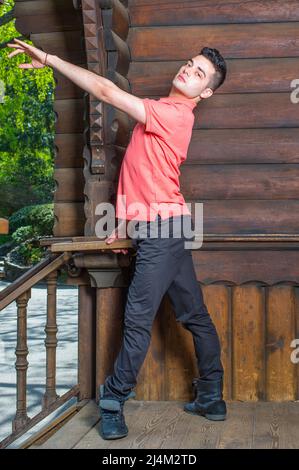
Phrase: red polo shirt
[149,176]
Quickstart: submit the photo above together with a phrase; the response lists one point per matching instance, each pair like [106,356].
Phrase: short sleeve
[162,118]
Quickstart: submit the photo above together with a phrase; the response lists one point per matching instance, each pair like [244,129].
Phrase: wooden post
[86,340]
[21,418]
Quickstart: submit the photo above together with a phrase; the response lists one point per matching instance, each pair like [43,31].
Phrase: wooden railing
[20,292]
[61,252]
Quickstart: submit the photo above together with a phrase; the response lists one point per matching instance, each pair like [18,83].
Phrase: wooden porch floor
[165,425]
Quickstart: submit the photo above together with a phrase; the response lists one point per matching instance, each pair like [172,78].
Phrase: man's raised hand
[38,57]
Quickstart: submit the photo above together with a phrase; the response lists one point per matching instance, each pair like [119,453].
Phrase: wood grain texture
[244,266]
[243,146]
[69,118]
[232,40]
[177,12]
[165,425]
[221,182]
[109,331]
[281,372]
[248,323]
[69,185]
[249,216]
[46,16]
[67,45]
[69,219]
[218,300]
[261,75]
[69,148]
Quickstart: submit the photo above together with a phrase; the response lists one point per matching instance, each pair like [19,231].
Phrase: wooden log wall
[242,164]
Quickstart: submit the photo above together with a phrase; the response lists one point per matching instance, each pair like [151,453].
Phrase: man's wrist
[51,60]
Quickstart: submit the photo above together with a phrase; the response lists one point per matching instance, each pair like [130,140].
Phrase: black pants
[163,265]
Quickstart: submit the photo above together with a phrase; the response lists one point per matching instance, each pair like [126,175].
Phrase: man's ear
[206,93]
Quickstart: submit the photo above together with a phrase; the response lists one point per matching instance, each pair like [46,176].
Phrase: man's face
[193,78]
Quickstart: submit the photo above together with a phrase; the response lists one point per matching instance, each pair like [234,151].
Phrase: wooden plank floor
[165,425]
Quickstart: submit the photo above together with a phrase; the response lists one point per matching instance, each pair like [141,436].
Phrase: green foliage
[27,226]
[26,128]
[22,234]
[39,217]
[29,253]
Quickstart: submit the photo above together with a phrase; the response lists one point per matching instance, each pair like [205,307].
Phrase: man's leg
[155,268]
[187,299]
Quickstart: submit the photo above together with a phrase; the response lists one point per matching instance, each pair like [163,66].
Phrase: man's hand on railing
[115,236]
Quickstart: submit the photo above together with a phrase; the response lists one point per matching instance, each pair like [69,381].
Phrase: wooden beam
[90,246]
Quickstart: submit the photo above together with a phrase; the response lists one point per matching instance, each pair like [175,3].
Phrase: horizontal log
[233,41]
[247,111]
[69,219]
[65,88]
[237,267]
[69,116]
[69,185]
[243,76]
[244,111]
[177,12]
[67,45]
[244,146]
[45,16]
[69,151]
[273,181]
[249,216]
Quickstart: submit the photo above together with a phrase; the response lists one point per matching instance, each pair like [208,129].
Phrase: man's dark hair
[219,63]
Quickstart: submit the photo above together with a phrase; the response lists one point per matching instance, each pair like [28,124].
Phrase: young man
[149,185]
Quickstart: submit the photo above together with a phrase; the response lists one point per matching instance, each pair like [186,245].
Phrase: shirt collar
[180,99]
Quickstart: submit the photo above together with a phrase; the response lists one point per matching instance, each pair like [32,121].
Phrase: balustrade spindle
[21,418]
[51,329]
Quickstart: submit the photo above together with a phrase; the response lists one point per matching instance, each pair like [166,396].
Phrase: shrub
[23,233]
[40,217]
[27,226]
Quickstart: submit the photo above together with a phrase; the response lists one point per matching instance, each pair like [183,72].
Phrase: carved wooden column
[51,341]
[21,418]
[106,25]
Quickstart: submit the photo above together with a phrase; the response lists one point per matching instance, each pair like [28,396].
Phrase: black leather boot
[208,400]
[112,422]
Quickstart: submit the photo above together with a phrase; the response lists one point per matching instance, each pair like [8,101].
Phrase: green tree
[26,125]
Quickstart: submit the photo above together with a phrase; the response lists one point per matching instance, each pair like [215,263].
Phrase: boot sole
[117,436]
[207,415]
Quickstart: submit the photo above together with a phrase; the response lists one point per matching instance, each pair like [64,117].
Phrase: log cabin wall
[242,164]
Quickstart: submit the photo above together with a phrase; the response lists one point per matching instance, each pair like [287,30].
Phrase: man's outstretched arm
[98,86]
